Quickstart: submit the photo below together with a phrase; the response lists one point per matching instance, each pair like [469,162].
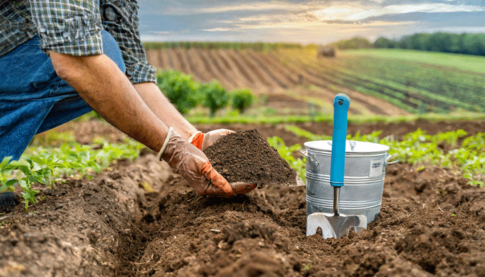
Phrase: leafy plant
[180,89]
[215,96]
[242,99]
[44,164]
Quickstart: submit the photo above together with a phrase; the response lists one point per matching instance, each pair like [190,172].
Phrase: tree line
[466,43]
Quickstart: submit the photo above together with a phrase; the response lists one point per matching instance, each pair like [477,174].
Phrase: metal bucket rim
[308,145]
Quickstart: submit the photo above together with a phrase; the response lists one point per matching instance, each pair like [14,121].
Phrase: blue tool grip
[341,105]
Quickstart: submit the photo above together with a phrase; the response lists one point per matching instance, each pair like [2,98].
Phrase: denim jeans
[33,99]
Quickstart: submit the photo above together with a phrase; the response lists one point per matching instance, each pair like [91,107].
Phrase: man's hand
[194,166]
[202,141]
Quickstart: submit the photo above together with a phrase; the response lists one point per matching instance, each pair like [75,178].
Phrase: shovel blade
[335,226]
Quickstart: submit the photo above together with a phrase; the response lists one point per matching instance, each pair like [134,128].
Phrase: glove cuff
[197,139]
[169,135]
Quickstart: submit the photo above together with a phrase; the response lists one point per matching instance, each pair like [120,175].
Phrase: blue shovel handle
[341,105]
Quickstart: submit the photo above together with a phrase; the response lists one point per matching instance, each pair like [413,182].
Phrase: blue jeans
[33,99]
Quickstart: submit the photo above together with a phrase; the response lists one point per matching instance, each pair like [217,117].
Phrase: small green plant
[44,164]
[180,88]
[242,99]
[215,96]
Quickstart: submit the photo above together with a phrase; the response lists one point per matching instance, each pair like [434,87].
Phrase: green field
[416,81]
[457,61]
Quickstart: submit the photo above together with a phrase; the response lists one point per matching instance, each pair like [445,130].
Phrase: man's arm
[163,109]
[100,82]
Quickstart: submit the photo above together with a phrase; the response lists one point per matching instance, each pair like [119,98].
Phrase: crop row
[446,83]
[421,149]
[45,165]
[408,85]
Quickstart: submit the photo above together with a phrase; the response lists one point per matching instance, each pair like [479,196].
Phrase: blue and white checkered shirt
[74,27]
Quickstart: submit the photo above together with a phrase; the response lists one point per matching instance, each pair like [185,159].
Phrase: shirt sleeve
[120,19]
[70,27]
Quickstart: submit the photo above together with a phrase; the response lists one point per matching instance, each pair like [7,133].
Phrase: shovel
[337,225]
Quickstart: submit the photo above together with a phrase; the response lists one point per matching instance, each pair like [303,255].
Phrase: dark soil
[247,157]
[140,219]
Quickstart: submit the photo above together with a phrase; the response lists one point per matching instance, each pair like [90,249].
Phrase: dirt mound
[247,157]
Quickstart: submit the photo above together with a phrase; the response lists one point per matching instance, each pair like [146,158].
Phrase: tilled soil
[140,219]
[247,157]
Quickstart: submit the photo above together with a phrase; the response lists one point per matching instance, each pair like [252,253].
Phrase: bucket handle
[388,156]
[304,152]
[352,144]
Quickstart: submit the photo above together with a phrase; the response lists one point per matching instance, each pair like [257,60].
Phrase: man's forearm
[106,89]
[164,110]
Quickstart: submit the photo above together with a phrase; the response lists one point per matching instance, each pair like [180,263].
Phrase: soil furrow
[248,74]
[243,80]
[183,63]
[226,71]
[199,67]
[272,73]
[262,76]
[174,61]
[373,104]
[276,65]
[220,74]
[152,57]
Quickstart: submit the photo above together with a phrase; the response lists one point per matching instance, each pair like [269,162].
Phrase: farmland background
[290,78]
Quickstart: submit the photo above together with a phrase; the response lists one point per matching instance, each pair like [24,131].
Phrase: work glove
[190,162]
[202,141]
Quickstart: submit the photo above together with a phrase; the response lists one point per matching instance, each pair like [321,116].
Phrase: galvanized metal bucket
[365,169]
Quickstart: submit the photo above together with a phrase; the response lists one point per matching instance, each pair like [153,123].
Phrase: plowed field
[267,74]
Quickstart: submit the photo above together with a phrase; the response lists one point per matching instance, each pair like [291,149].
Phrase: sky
[303,21]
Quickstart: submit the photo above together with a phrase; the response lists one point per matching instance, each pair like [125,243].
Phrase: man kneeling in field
[60,59]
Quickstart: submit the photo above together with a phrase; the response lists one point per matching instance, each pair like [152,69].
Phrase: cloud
[231,7]
[359,13]
[304,21]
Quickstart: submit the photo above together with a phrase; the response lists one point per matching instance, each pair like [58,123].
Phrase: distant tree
[383,42]
[354,43]
[215,96]
[472,44]
[242,99]
[180,89]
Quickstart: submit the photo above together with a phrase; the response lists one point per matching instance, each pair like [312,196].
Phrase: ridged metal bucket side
[360,195]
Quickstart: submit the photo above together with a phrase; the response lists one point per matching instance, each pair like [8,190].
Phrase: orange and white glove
[190,162]
[202,141]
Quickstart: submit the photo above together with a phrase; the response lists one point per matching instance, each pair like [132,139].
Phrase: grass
[457,61]
[358,119]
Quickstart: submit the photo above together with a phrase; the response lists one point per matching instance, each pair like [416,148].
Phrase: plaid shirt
[74,27]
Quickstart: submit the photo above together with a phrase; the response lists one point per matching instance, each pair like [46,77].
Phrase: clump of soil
[247,157]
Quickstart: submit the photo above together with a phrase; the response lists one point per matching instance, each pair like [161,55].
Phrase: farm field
[379,81]
[285,86]
[458,61]
[140,219]
[92,202]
